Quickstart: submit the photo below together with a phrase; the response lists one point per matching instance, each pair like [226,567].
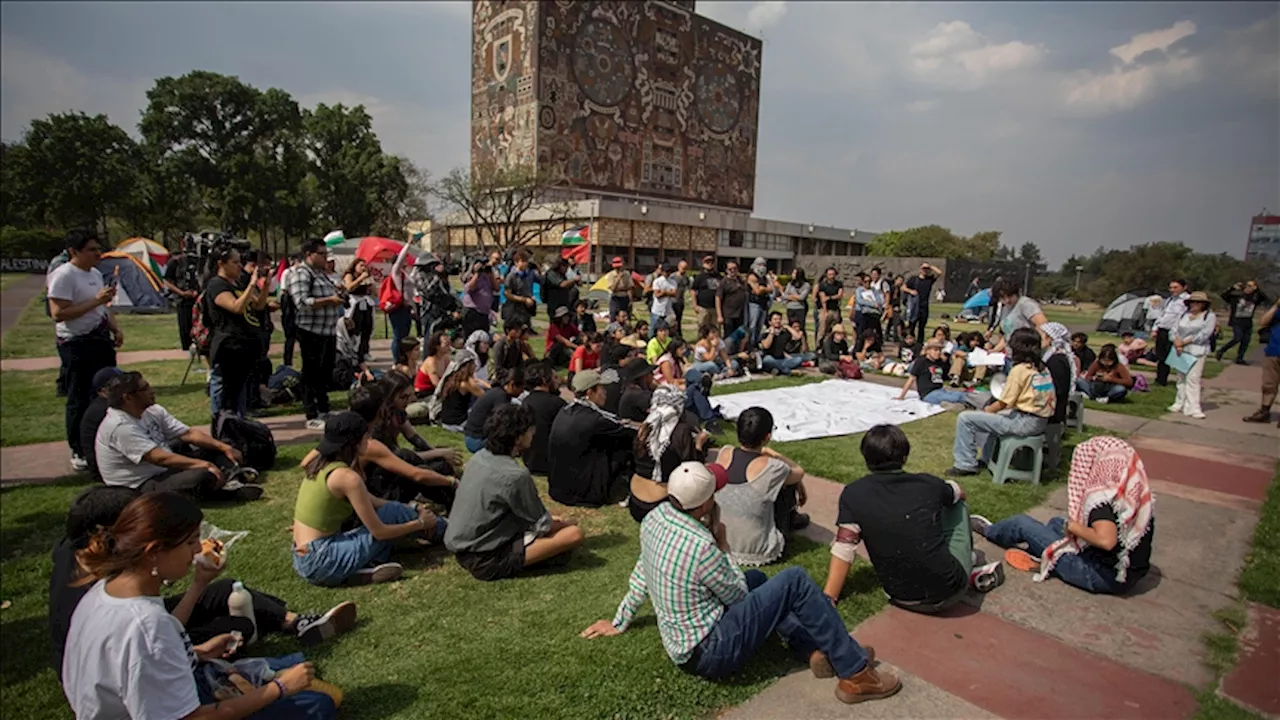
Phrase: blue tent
[980,300]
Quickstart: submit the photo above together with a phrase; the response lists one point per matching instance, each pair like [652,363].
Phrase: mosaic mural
[503,103]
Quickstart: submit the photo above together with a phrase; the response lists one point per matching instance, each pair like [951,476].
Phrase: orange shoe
[1021,560]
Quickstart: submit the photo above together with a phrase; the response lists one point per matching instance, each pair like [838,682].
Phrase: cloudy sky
[1070,125]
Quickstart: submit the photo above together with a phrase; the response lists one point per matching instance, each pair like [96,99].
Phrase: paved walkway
[15,299]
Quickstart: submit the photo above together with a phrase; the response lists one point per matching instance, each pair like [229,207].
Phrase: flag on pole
[577,245]
[576,236]
[334,238]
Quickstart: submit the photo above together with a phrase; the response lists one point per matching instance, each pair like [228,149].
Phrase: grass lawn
[1156,401]
[1260,579]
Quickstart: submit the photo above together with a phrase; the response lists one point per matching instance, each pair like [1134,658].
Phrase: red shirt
[568,332]
[589,359]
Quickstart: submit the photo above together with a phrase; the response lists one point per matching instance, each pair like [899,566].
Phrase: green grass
[1155,402]
[1260,579]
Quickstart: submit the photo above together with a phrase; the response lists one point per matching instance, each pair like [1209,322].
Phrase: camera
[200,249]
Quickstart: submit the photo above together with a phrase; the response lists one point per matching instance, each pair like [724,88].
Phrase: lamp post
[1079,268]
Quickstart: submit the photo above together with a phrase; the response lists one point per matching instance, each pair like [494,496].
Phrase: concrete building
[1264,238]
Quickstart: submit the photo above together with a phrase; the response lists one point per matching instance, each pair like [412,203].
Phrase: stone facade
[504,105]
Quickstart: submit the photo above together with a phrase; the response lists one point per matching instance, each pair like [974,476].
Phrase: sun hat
[693,483]
[1199,296]
[340,430]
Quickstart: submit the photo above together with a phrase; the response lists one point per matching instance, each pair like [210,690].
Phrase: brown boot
[1262,416]
[869,684]
[821,667]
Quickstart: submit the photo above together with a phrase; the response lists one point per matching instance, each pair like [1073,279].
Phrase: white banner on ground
[834,407]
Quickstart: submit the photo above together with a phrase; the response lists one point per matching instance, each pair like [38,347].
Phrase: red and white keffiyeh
[1105,471]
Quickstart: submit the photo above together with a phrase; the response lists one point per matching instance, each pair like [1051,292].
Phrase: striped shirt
[688,577]
[305,286]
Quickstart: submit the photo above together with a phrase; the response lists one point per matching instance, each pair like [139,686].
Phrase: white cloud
[955,55]
[765,14]
[1155,40]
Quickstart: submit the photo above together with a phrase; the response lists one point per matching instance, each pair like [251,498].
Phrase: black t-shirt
[923,286]
[453,408]
[704,289]
[794,345]
[491,400]
[929,374]
[230,334]
[1139,557]
[634,403]
[778,348]
[1060,370]
[830,289]
[545,407]
[682,448]
[261,319]
[733,296]
[764,300]
[588,452]
[176,273]
[93,417]
[908,353]
[1086,356]
[900,520]
[832,349]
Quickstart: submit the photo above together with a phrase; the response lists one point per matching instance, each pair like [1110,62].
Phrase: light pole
[1078,269]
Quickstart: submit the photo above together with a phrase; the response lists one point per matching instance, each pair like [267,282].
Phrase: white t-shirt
[71,284]
[662,305]
[122,440]
[128,658]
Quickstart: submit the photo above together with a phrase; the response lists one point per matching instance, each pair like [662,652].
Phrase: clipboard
[1182,362]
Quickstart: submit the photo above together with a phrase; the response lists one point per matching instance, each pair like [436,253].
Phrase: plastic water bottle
[240,604]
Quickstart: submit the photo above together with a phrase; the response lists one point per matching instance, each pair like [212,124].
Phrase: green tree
[352,174]
[935,241]
[1030,253]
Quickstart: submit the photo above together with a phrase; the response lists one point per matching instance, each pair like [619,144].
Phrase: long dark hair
[156,521]
[1024,347]
[798,277]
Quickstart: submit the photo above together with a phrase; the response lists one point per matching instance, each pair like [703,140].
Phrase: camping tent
[139,287]
[1126,312]
[976,307]
[149,252]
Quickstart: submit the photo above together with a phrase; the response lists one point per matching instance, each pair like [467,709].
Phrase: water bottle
[240,604]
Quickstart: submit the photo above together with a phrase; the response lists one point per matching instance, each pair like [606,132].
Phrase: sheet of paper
[980,358]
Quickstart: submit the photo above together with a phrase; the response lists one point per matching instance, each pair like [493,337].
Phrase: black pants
[82,357]
[289,322]
[616,303]
[558,355]
[184,309]
[261,372]
[319,355]
[917,326]
[210,617]
[870,321]
[363,319]
[784,507]
[1241,329]
[473,320]
[677,309]
[1163,346]
[389,486]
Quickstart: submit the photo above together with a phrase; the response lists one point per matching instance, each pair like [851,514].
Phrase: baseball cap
[104,376]
[693,483]
[340,430]
[588,379]
[616,262]
[708,258]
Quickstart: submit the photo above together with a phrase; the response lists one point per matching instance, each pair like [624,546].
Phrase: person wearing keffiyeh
[668,436]
[589,447]
[1062,364]
[1104,543]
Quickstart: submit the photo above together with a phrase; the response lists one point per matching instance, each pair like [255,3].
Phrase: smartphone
[114,280]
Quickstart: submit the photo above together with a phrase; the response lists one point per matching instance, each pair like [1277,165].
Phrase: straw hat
[1199,296]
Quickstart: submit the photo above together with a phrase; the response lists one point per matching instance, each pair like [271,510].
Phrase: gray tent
[1128,312]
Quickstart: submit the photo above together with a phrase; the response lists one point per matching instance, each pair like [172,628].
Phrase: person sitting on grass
[961,373]
[410,357]
[128,656]
[773,343]
[396,473]
[545,402]
[905,358]
[1104,543]
[1024,408]
[669,434]
[835,358]
[1080,348]
[562,338]
[671,363]
[583,318]
[137,446]
[589,447]
[1131,348]
[868,355]
[916,530]
[928,376]
[202,609]
[499,525]
[638,385]
[427,375]
[458,388]
[797,343]
[511,388]
[758,506]
[639,337]
[712,617]
[711,356]
[512,348]
[94,414]
[657,346]
[587,355]
[333,490]
[1107,379]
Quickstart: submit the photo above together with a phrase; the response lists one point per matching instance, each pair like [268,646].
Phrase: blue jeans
[941,395]
[306,705]
[401,321]
[474,444]
[755,321]
[793,605]
[972,423]
[784,366]
[1082,569]
[215,395]
[332,559]
[1113,393]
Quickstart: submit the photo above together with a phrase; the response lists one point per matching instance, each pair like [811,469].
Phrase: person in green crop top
[332,490]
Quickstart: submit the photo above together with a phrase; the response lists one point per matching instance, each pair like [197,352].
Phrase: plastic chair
[1053,435]
[1002,467]
[1075,410]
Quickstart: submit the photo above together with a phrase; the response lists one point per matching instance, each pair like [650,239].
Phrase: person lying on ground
[499,525]
[1104,543]
[94,414]
[928,377]
[916,530]
[669,434]
[128,656]
[137,446]
[333,490]
[712,617]
[1024,407]
[545,402]
[202,609]
[589,447]
[1107,379]
[511,388]
[758,506]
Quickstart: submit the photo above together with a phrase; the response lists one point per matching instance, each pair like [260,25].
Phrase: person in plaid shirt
[712,617]
[319,307]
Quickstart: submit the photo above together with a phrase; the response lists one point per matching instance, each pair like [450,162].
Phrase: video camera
[200,247]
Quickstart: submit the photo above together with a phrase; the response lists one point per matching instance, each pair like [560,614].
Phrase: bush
[36,244]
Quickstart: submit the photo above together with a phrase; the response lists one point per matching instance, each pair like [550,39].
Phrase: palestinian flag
[334,238]
[576,244]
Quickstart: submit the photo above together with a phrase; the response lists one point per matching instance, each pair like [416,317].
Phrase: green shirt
[318,508]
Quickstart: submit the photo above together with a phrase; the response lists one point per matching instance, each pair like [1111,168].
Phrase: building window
[735,238]
[646,260]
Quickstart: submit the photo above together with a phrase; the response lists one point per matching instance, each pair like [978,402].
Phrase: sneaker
[384,573]
[979,524]
[988,577]
[78,463]
[869,684]
[314,629]
[1103,400]
[315,424]
[247,493]
[245,474]
[1174,408]
[1262,416]
[960,472]
[1196,415]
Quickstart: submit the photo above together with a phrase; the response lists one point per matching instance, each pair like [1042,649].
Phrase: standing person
[257,269]
[704,287]
[556,286]
[868,300]
[520,304]
[665,292]
[712,617]
[920,288]
[479,292]
[1170,312]
[1243,299]
[400,314]
[1270,364]
[830,292]
[620,286]
[1191,336]
[359,283]
[234,312]
[182,285]
[681,278]
[731,300]
[289,311]
[319,306]
[796,294]
[762,284]
[86,331]
[973,289]
[1019,311]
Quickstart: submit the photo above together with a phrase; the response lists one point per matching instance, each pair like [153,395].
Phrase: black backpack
[252,438]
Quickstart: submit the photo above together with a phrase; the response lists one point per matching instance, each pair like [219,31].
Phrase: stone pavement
[1047,650]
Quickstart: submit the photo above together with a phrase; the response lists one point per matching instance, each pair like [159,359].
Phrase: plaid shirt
[688,577]
[305,286]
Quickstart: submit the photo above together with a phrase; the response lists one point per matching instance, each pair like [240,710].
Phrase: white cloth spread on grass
[834,407]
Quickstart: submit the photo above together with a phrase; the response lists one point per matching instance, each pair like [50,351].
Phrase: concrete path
[140,356]
[16,298]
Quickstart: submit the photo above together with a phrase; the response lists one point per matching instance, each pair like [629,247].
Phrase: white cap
[692,483]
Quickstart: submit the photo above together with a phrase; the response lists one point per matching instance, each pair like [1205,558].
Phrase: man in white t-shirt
[665,291]
[87,333]
[138,446]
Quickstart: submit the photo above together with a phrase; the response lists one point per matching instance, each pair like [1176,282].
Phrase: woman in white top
[126,656]
[1191,337]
